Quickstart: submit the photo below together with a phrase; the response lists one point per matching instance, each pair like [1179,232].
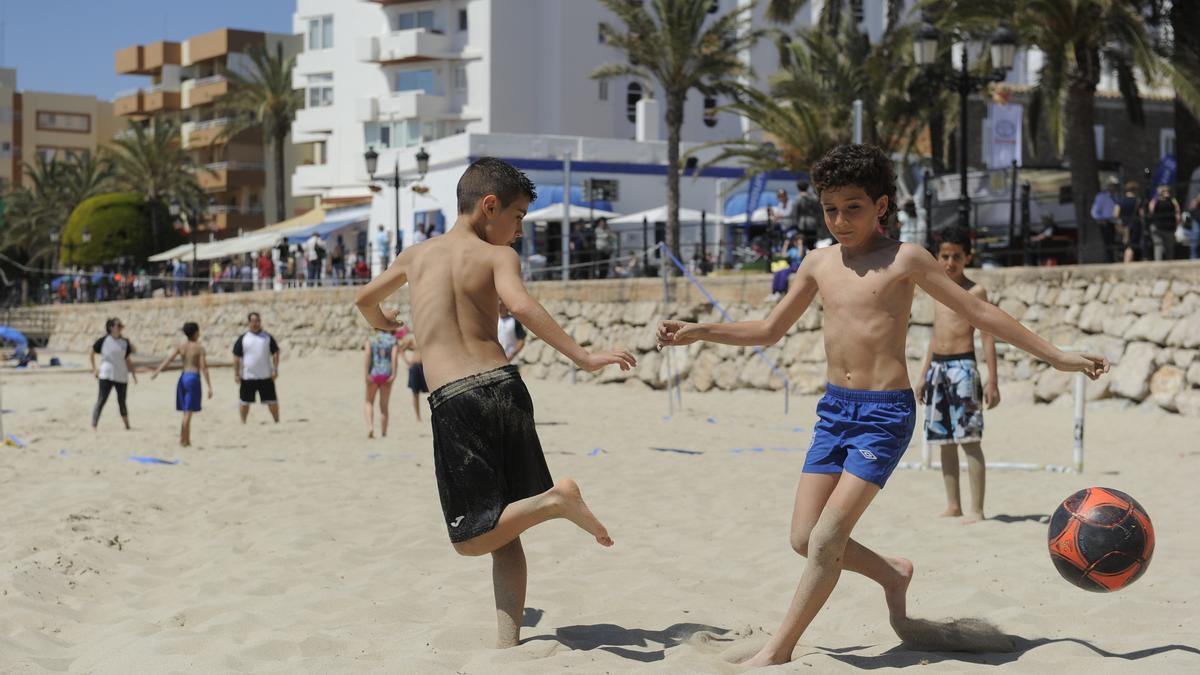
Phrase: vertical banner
[757,184]
[1006,134]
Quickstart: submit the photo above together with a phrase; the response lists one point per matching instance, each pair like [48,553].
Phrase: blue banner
[757,184]
[1164,173]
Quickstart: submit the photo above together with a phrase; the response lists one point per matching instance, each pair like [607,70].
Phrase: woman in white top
[116,367]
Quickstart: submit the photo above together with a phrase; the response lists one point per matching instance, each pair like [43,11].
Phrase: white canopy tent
[760,216]
[659,215]
[180,251]
[555,212]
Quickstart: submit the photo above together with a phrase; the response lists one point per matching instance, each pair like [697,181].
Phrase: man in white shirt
[255,367]
[511,333]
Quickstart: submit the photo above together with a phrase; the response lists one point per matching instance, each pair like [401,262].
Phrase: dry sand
[305,547]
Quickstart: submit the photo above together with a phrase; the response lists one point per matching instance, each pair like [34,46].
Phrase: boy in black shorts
[492,477]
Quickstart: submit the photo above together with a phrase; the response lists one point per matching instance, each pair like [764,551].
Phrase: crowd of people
[1134,227]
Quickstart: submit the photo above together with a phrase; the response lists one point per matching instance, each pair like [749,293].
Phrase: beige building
[35,122]
[188,79]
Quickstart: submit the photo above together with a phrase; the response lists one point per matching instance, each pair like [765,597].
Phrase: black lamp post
[372,159]
[1003,52]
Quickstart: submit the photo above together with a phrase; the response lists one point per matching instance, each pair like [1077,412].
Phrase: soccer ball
[1101,539]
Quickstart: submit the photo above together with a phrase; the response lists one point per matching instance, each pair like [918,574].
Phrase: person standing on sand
[511,334]
[187,391]
[491,473]
[255,367]
[867,416]
[116,367]
[382,352]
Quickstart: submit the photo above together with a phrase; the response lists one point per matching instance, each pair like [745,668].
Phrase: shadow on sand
[618,640]
[1030,518]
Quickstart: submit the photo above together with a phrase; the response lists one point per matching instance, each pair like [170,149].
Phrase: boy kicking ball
[868,413]
[950,386]
[492,477]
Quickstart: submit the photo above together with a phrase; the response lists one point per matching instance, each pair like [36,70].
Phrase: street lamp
[1003,52]
[372,159]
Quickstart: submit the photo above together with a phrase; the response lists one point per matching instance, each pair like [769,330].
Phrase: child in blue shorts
[187,390]
[868,413]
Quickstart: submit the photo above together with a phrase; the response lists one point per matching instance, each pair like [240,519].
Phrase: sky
[68,46]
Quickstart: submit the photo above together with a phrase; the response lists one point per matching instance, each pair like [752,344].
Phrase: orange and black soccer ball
[1101,539]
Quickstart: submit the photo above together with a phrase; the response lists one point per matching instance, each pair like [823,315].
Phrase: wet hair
[110,324]
[251,315]
[190,329]
[955,234]
[860,165]
[492,176]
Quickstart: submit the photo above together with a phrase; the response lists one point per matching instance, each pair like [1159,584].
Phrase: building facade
[48,124]
[188,80]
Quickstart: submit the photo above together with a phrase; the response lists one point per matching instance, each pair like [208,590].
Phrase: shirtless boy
[187,391]
[492,477]
[950,386]
[868,413]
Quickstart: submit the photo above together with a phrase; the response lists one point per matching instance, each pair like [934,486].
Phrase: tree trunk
[674,128]
[1081,149]
[1185,16]
[280,180]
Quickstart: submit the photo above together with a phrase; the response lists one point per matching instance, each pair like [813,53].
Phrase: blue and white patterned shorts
[953,400]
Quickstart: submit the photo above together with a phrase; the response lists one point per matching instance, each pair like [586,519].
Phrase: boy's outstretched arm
[991,319]
[991,392]
[370,296]
[748,333]
[507,277]
[167,361]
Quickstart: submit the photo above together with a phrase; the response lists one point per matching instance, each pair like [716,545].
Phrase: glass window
[710,111]
[413,132]
[460,78]
[320,90]
[57,121]
[415,80]
[603,90]
[462,19]
[414,20]
[320,32]
[633,94]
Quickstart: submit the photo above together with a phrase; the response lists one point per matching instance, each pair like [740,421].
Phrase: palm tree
[1076,37]
[264,99]
[55,188]
[680,46]
[151,161]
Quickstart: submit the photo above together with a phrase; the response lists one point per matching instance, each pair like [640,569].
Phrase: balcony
[313,122]
[148,59]
[159,99]
[311,179]
[204,90]
[203,134]
[225,176]
[232,219]
[216,44]
[406,46]
[129,61]
[130,102]
[401,105]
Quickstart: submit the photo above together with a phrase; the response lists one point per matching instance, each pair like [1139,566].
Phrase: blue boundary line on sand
[787,388]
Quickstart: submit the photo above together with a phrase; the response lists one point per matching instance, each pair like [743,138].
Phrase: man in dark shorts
[255,367]
[492,477]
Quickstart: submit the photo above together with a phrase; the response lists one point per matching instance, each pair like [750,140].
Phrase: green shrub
[119,225]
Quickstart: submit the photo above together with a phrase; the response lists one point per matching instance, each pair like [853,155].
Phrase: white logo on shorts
[868,454]
[456,521]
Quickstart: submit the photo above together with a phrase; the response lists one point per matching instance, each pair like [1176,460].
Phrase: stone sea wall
[1145,317]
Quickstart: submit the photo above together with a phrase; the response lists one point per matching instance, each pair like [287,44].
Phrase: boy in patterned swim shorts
[950,386]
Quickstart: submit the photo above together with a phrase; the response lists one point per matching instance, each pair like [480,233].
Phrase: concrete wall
[1144,317]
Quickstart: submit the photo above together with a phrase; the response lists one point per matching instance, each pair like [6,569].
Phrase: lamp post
[1003,51]
[372,159]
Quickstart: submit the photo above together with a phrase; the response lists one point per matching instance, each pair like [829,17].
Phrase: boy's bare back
[191,353]
[454,305]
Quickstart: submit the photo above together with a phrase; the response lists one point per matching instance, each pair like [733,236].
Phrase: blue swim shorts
[187,393]
[862,432]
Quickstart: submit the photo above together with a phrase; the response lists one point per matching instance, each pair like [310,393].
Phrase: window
[1099,128]
[57,121]
[710,111]
[401,134]
[460,78]
[414,20]
[603,90]
[5,149]
[633,94]
[1166,142]
[320,33]
[320,90]
[714,6]
[600,34]
[462,19]
[415,80]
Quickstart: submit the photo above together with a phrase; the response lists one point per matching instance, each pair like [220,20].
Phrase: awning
[555,212]
[247,243]
[659,215]
[334,220]
[180,251]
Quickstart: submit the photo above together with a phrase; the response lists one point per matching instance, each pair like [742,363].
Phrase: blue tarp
[334,221]
[551,193]
[736,204]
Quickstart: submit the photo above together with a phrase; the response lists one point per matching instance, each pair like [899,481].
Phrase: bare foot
[371,434]
[896,593]
[766,657]
[950,512]
[973,517]
[576,511]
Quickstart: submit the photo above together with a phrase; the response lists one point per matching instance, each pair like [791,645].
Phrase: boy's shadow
[616,639]
[1032,517]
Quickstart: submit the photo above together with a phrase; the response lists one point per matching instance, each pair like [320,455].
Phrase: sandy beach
[306,547]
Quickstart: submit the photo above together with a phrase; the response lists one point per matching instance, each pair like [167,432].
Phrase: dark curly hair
[863,165]
[954,234]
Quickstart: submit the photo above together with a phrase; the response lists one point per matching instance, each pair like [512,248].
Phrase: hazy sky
[67,46]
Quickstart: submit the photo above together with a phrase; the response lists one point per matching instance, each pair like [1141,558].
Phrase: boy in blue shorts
[950,386]
[868,413]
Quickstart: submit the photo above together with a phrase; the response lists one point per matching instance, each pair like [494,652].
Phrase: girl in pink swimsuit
[381,352]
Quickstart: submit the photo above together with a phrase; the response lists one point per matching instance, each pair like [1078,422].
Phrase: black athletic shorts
[486,452]
[264,388]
